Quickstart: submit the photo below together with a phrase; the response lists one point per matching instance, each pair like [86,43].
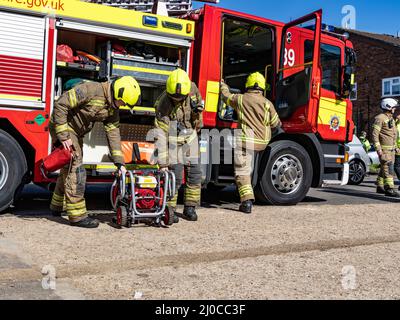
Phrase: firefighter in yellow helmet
[74,115]
[257,116]
[178,121]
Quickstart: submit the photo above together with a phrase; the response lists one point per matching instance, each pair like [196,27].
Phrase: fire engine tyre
[288,174]
[13,168]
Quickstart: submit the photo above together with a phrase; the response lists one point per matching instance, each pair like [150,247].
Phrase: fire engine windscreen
[247,48]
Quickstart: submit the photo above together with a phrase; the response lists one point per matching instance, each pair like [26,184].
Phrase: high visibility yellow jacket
[384,134]
[257,115]
[169,112]
[398,133]
[80,108]
[398,137]
[366,144]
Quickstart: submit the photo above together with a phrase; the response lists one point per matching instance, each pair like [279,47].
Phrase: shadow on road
[359,194]
[230,197]
[35,201]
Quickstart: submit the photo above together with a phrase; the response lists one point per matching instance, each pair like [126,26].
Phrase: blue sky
[374,16]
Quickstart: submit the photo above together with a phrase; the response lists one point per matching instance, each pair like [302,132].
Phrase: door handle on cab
[316,84]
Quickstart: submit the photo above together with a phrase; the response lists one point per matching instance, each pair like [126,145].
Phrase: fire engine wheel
[288,174]
[13,168]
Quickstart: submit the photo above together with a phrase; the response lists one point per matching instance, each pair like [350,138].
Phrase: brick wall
[376,61]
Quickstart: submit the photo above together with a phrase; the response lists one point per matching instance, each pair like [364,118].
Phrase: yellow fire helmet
[178,84]
[128,90]
[256,81]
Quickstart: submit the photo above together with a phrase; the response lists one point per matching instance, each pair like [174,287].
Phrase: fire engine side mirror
[351,57]
[348,81]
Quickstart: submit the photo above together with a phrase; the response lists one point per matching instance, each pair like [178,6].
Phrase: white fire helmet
[389,104]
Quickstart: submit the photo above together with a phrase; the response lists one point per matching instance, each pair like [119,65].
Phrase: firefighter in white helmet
[384,136]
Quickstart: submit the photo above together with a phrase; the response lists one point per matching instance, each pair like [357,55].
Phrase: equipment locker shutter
[21,56]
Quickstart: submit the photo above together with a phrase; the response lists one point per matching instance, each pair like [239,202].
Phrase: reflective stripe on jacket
[384,134]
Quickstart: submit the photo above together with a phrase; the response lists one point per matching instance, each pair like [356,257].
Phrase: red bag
[58,159]
[65,53]
[119,49]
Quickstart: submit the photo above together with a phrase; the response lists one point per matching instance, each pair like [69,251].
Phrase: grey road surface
[340,243]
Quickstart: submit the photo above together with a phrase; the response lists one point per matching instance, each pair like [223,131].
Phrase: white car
[373,155]
[359,161]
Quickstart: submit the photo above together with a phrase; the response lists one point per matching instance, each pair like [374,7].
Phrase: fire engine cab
[46,48]
[310,75]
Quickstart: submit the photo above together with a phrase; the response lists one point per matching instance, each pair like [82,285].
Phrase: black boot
[190,213]
[392,193]
[173,211]
[380,190]
[88,223]
[246,206]
[57,214]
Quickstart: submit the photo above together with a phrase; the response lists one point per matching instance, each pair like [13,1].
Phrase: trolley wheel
[123,218]
[168,218]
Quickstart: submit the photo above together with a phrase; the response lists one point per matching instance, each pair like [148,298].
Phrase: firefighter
[365,142]
[73,117]
[178,120]
[257,116]
[384,137]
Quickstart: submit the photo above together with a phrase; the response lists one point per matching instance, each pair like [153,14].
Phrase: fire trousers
[244,166]
[386,174]
[191,167]
[192,193]
[70,187]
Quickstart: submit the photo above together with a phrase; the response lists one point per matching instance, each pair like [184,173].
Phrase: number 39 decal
[290,58]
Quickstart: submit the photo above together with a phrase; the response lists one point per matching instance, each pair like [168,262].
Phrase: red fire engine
[309,72]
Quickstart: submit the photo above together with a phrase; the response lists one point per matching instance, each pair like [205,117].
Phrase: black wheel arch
[25,146]
[17,170]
